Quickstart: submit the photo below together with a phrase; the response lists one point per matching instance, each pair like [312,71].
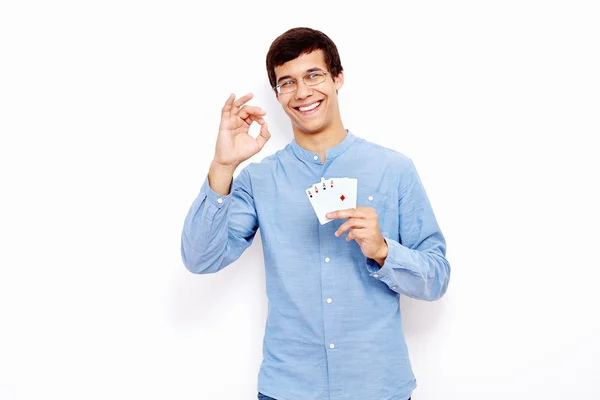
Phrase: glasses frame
[277,87]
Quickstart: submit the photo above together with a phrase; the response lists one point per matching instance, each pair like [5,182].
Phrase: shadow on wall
[420,318]
[201,300]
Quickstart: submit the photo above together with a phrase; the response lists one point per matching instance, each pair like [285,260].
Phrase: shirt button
[327,259]
[316,157]
[219,201]
[375,275]
[331,345]
[394,287]
[370,198]
[329,300]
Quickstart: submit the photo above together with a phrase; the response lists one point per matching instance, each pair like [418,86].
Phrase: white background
[108,118]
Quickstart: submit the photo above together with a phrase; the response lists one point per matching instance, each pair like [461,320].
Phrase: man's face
[310,108]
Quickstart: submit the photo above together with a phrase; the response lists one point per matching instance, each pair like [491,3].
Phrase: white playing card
[343,195]
[317,197]
[333,186]
[350,192]
[332,194]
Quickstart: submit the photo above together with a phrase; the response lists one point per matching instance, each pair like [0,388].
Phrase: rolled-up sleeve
[217,229]
[416,264]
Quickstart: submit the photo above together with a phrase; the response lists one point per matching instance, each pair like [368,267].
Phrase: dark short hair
[297,41]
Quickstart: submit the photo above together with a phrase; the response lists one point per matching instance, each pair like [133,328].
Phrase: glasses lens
[314,78]
[287,87]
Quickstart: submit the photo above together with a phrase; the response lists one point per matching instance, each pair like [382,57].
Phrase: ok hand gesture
[234,143]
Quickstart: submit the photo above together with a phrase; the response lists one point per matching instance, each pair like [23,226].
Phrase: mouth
[309,108]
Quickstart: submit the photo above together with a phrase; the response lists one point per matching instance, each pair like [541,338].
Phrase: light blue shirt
[333,329]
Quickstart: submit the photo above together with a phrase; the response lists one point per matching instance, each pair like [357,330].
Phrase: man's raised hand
[234,143]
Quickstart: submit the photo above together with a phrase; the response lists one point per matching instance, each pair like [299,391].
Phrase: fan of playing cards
[332,194]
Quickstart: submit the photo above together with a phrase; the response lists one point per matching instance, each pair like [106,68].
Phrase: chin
[310,126]
[310,129]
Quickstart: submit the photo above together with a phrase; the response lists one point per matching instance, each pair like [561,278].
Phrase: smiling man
[334,329]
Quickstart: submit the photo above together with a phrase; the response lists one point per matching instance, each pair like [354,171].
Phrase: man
[334,329]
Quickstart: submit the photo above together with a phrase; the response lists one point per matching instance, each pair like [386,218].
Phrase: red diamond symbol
[342,197]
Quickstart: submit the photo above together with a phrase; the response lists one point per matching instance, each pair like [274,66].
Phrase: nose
[303,90]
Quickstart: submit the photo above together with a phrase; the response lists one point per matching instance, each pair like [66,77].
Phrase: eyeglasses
[310,79]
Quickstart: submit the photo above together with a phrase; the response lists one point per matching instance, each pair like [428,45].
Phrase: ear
[339,81]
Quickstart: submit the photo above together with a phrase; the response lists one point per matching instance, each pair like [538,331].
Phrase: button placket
[328,276]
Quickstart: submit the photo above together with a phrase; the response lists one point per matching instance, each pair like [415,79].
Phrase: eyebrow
[308,71]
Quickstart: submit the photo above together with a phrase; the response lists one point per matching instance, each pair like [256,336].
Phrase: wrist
[382,254]
[216,165]
[220,178]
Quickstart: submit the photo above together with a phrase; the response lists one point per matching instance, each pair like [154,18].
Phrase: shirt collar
[330,154]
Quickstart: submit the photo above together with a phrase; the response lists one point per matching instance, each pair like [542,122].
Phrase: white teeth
[308,108]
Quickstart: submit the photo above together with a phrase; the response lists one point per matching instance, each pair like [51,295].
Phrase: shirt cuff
[215,201]
[385,273]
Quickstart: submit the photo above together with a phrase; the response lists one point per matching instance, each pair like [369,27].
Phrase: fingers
[348,213]
[359,218]
[247,111]
[260,120]
[254,118]
[357,234]
[240,102]
[228,104]
[233,107]
[352,223]
[358,212]
[264,135]
[248,114]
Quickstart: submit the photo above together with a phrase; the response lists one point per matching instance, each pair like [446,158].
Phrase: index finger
[234,106]
[240,102]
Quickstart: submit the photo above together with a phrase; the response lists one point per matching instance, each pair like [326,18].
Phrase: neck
[320,142]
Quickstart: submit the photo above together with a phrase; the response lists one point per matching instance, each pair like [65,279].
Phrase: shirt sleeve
[217,229]
[416,264]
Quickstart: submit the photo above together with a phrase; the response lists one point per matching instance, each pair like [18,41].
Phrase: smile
[309,108]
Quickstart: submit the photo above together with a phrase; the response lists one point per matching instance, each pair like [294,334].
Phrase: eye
[314,78]
[286,83]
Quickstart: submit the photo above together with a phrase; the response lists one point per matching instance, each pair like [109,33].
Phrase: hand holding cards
[332,194]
